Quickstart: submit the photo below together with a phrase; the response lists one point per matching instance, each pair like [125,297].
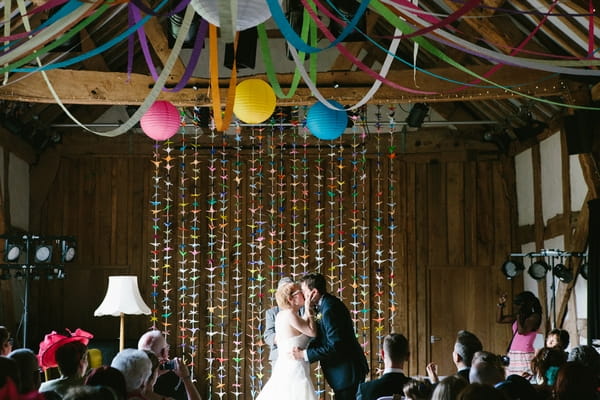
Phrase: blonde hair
[284,294]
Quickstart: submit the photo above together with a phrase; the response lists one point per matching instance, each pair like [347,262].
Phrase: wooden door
[459,298]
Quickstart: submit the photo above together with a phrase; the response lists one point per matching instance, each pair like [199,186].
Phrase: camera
[167,365]
[505,360]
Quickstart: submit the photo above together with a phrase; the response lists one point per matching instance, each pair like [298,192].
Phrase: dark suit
[269,334]
[336,347]
[386,385]
[464,373]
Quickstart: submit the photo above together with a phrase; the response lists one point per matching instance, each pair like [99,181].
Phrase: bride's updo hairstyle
[284,294]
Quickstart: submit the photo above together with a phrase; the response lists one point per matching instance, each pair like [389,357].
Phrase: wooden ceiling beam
[115,88]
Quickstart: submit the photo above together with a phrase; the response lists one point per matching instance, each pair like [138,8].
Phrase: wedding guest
[449,388]
[394,353]
[466,345]
[6,342]
[575,381]
[72,364]
[136,368]
[269,334]
[558,338]
[29,374]
[108,376]
[525,319]
[174,379]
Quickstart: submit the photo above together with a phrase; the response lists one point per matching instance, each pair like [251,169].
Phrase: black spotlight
[12,251]
[538,269]
[245,55]
[583,270]
[417,115]
[563,273]
[43,253]
[512,269]
[68,250]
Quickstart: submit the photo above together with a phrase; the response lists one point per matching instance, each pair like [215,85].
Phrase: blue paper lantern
[325,123]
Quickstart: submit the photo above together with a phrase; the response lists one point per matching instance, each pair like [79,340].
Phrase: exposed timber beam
[116,88]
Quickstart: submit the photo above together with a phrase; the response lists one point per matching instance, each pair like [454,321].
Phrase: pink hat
[53,340]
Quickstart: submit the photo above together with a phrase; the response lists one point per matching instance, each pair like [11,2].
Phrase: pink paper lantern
[161,121]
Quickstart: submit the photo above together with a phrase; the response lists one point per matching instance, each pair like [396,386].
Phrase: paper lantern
[161,121]
[325,123]
[250,13]
[254,101]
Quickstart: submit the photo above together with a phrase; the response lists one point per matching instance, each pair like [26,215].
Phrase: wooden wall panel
[450,215]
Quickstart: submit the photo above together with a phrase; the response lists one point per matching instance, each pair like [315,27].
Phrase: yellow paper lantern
[254,101]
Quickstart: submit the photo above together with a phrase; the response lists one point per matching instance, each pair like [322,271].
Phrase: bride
[291,376]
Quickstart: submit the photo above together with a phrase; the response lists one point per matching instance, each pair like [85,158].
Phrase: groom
[336,347]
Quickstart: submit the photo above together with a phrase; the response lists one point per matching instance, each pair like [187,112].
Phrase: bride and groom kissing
[325,320]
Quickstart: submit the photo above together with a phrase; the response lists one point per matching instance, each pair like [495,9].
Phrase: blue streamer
[292,37]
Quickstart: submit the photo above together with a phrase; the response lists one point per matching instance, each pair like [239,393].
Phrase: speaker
[580,129]
[246,50]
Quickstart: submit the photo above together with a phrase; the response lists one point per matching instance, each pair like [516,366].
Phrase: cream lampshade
[122,297]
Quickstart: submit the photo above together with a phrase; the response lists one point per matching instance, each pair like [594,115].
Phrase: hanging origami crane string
[211,300]
[156,209]
[377,297]
[195,253]
[237,278]
[391,203]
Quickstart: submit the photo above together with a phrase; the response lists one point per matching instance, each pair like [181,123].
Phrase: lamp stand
[122,333]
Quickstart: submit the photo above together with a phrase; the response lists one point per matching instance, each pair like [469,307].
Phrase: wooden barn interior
[480,146]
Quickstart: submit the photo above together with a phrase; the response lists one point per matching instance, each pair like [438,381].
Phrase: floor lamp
[122,297]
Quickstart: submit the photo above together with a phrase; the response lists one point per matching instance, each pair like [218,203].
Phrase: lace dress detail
[290,376]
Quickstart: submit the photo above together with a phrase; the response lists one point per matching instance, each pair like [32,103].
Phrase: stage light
[12,251]
[583,270]
[68,249]
[512,269]
[417,115]
[538,269]
[43,253]
[563,273]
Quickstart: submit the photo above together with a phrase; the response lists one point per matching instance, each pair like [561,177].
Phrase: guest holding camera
[174,380]
[526,320]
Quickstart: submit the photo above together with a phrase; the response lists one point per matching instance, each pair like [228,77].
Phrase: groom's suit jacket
[336,347]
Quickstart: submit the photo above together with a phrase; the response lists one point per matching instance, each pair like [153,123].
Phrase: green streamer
[307,27]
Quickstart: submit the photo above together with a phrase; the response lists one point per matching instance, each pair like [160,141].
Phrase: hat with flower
[53,340]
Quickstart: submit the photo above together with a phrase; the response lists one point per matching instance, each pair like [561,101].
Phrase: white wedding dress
[291,378]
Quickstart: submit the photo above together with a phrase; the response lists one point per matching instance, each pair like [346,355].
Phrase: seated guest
[174,378]
[6,342]
[110,377]
[589,357]
[466,345]
[545,365]
[480,391]
[9,379]
[29,374]
[516,387]
[71,358]
[449,388]
[136,368]
[90,393]
[558,338]
[417,390]
[395,354]
[486,369]
[575,381]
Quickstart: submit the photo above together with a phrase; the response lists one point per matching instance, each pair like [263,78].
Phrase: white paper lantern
[250,13]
